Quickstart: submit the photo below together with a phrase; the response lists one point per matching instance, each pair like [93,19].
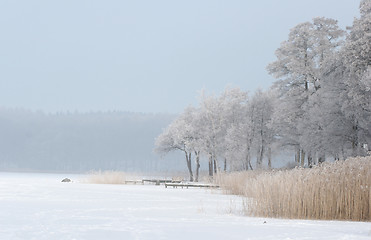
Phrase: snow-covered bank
[39,206]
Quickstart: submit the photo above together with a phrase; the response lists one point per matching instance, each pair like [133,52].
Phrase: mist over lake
[78,142]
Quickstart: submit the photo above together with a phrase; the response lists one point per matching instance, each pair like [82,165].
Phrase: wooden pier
[188,185]
[160,181]
[134,182]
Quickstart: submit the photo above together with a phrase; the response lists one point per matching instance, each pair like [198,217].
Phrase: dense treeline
[319,107]
[81,141]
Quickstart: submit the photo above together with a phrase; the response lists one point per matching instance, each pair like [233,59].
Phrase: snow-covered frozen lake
[39,206]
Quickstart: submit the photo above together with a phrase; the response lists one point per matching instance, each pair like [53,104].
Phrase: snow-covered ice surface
[39,206]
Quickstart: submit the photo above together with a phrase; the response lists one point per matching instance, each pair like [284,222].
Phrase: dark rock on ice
[66,180]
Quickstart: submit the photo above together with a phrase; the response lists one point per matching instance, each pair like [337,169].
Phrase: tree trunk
[250,164]
[210,165]
[355,142]
[189,165]
[322,159]
[215,166]
[197,153]
[269,158]
[297,155]
[302,158]
[225,164]
[310,160]
[355,148]
[247,160]
[259,159]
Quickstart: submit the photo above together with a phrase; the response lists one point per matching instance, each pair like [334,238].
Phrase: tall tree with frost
[231,105]
[212,132]
[357,56]
[337,134]
[252,134]
[218,114]
[241,136]
[299,68]
[194,141]
[346,93]
[232,102]
[262,103]
[176,137]
[294,68]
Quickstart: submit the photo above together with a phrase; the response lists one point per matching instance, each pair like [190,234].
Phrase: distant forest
[78,142]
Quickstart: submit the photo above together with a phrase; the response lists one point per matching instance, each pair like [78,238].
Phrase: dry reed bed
[106,177]
[339,190]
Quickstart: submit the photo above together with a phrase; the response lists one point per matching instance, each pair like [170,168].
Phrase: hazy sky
[143,55]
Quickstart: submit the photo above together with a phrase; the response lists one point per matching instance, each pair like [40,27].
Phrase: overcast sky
[145,55]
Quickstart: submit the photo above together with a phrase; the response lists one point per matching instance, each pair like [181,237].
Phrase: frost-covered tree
[262,104]
[232,102]
[357,95]
[299,69]
[294,69]
[203,130]
[176,137]
[218,114]
[334,117]
[250,134]
[346,96]
[347,91]
[237,135]
[365,98]
[211,131]
[194,128]
[332,132]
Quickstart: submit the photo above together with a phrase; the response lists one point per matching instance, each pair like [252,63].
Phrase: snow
[40,206]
